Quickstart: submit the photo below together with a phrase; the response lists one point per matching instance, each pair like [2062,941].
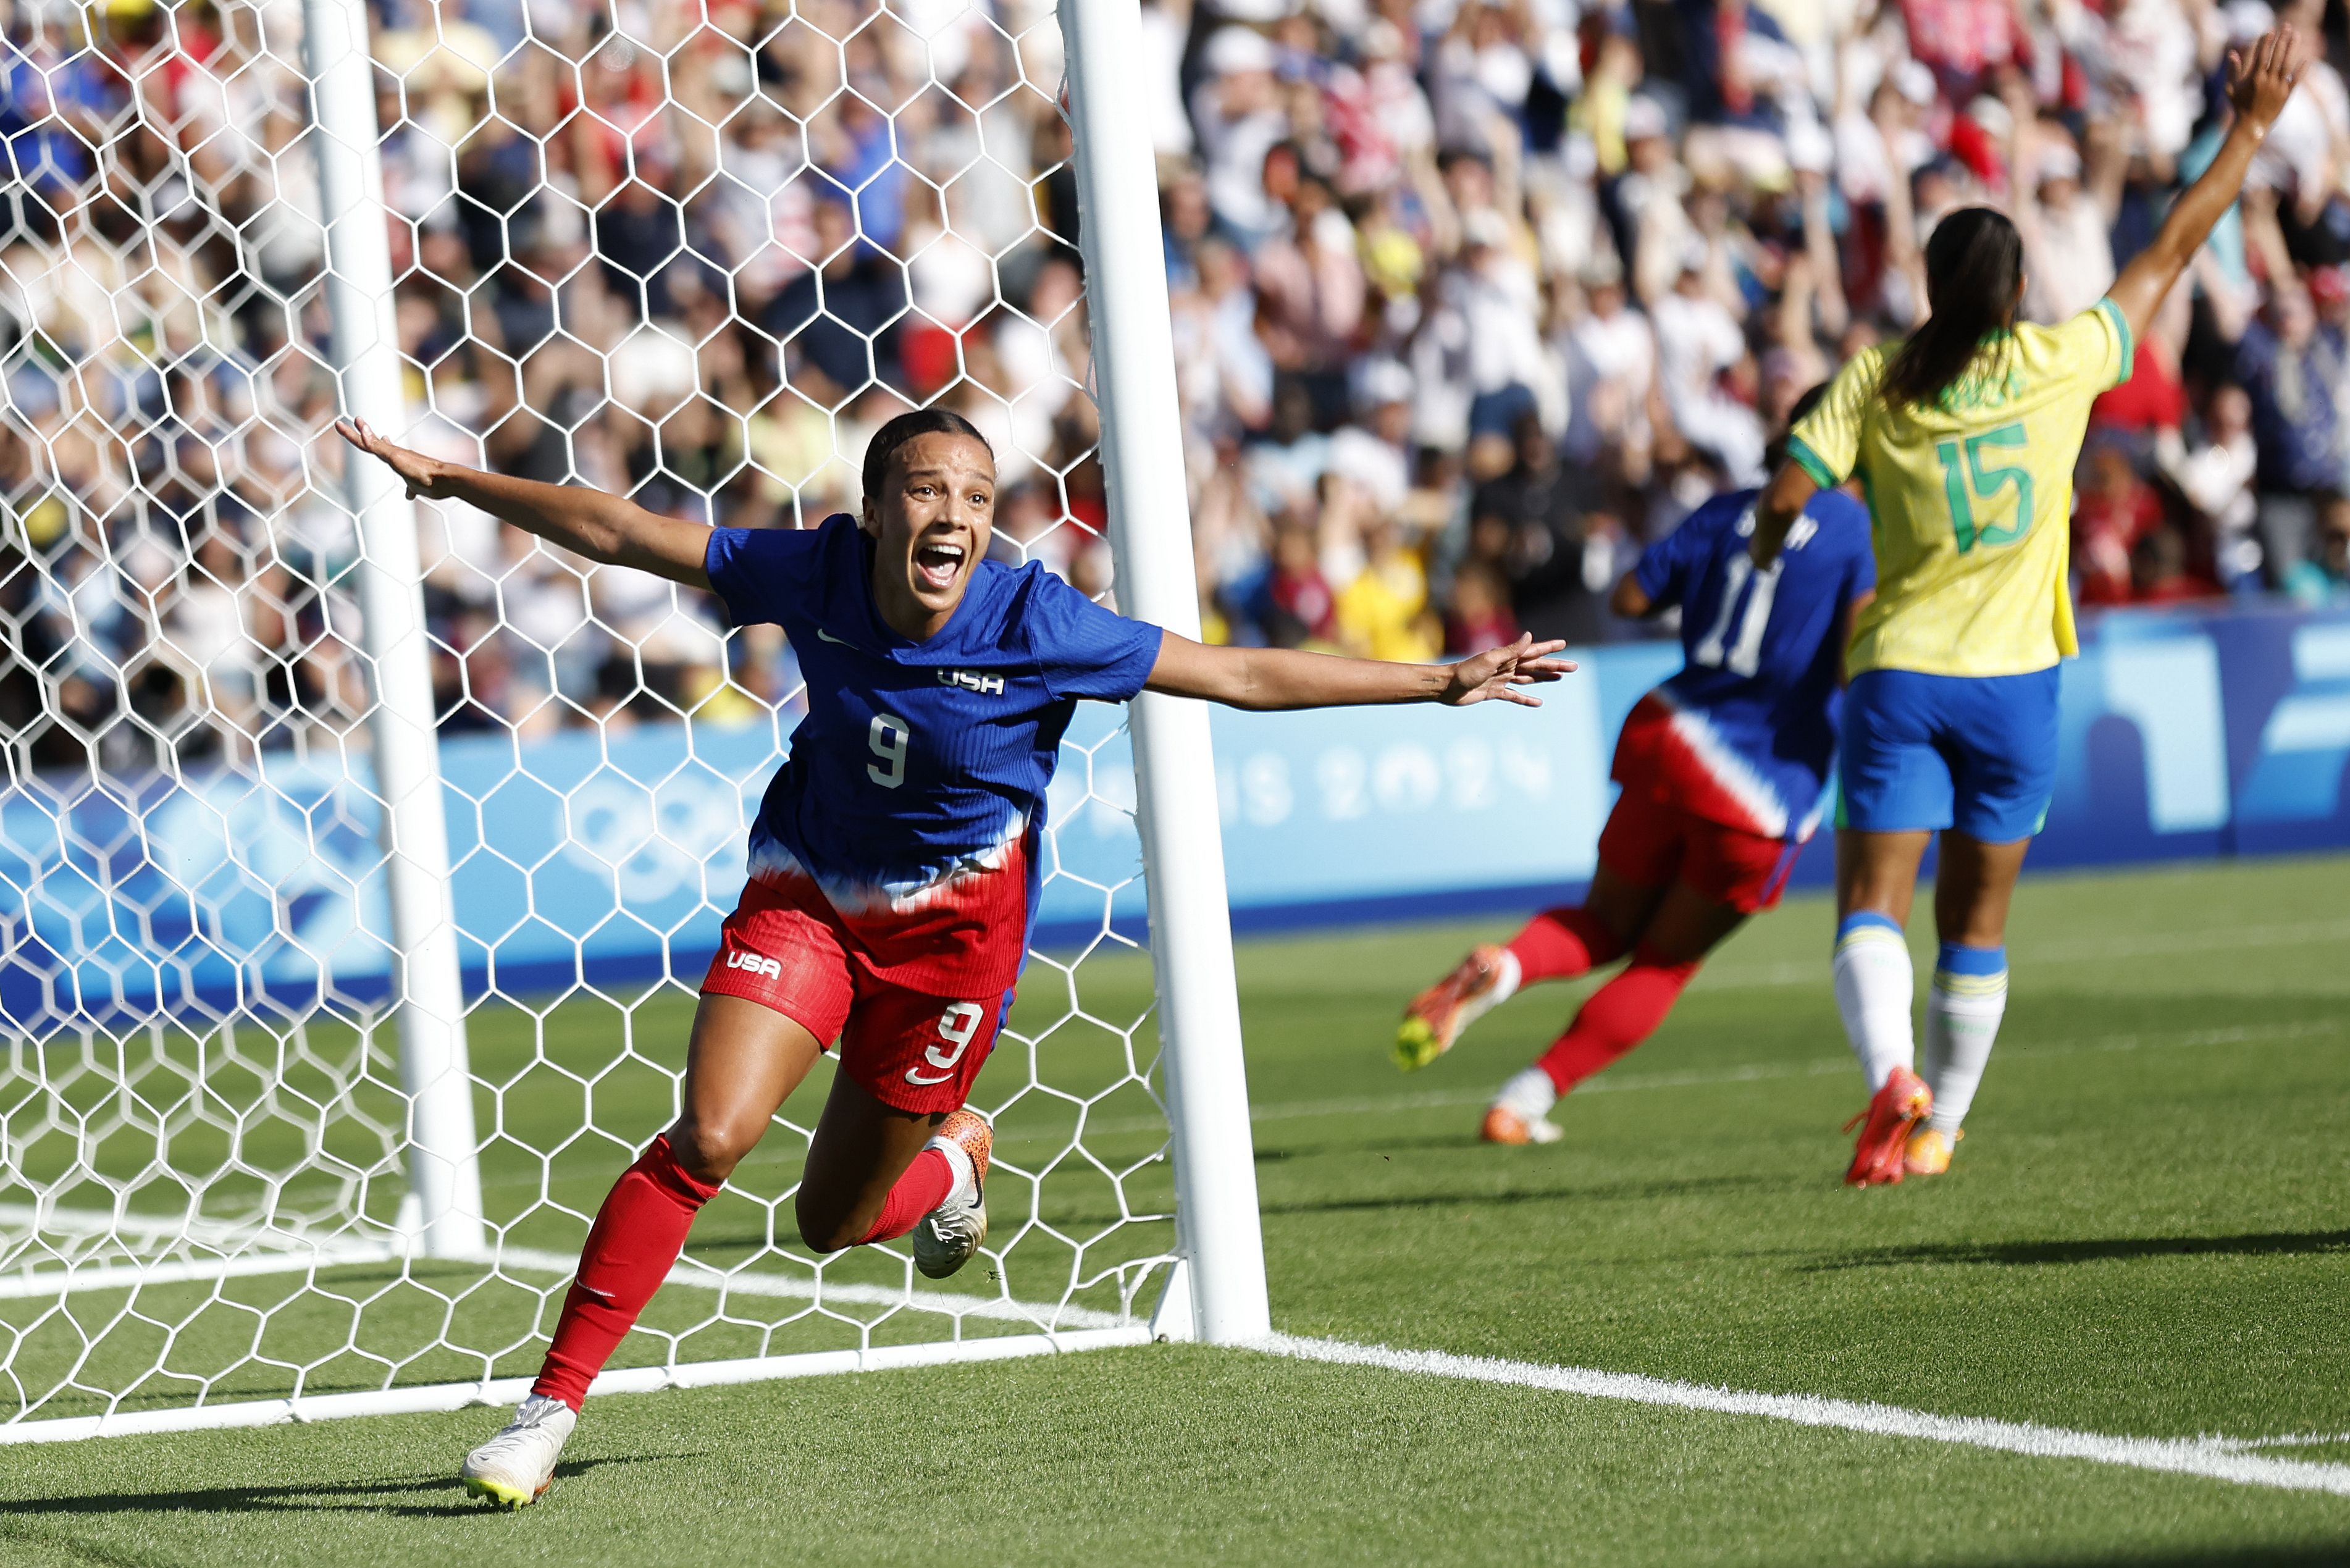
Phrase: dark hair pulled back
[1974,263]
[905,427]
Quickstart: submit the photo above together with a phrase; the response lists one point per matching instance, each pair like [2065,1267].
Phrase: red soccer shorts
[1654,839]
[783,947]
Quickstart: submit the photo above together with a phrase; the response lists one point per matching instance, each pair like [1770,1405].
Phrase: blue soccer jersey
[915,788]
[1758,699]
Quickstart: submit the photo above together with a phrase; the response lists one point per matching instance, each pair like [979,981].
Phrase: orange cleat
[1436,1017]
[1928,1153]
[1503,1125]
[1520,1114]
[1893,1110]
[945,1237]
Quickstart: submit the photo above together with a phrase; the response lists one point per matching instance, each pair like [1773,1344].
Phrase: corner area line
[2213,1458]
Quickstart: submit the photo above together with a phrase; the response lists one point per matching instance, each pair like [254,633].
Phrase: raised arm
[1266,680]
[2258,85]
[587,522]
[1783,499]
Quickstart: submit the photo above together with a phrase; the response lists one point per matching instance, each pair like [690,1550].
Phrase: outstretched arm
[601,527]
[1268,679]
[1783,499]
[1631,601]
[2258,85]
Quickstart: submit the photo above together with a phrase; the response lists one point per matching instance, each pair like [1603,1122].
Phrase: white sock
[1874,990]
[957,1161]
[1530,1092]
[1508,974]
[1963,1012]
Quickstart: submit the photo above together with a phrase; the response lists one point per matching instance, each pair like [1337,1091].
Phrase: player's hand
[2259,82]
[422,474]
[1498,672]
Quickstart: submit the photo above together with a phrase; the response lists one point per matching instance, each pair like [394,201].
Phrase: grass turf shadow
[1606,1192]
[2032,1254]
[2336,1555]
[344,1496]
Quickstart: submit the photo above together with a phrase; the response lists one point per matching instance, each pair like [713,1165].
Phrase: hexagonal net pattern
[690,254]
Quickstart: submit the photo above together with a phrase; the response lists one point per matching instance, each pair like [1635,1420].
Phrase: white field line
[36,1283]
[2295,1440]
[504,1391]
[2223,1459]
[1826,1066]
[240,1249]
[701,1276]
[2103,949]
[283,1251]
[2216,1458]
[1737,977]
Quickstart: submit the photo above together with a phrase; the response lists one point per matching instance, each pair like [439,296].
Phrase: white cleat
[946,1237]
[1521,1112]
[515,1469]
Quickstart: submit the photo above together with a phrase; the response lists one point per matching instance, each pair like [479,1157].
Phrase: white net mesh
[691,254]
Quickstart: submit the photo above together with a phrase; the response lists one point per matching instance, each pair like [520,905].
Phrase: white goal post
[328,1031]
[1150,529]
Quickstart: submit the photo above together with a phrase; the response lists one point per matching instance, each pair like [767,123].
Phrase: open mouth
[936,564]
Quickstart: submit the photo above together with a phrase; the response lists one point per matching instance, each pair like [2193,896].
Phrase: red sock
[1616,1017]
[637,1236]
[1559,944]
[923,1187]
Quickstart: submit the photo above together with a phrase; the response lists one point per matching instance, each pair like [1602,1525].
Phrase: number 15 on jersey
[1982,481]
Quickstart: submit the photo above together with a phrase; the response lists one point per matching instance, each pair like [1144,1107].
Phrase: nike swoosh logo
[914,1075]
[825,636]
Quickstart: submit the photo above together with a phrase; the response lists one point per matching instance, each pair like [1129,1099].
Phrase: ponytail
[1974,265]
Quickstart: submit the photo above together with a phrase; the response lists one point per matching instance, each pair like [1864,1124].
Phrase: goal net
[303,1111]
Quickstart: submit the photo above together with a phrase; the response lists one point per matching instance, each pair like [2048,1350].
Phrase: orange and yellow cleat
[1928,1153]
[1438,1015]
[1893,1110]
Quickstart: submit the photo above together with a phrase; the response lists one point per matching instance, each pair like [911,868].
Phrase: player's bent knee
[711,1151]
[824,1225]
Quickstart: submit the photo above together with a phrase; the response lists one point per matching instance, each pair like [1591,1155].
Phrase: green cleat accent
[1438,1015]
[516,1468]
[1416,1045]
[500,1494]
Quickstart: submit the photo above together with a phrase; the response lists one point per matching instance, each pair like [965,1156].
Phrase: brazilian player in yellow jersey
[1967,496]
[1964,437]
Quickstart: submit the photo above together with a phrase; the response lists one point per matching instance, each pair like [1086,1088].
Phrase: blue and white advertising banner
[609,862]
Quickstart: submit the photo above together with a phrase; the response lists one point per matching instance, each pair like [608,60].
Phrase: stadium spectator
[2159,573]
[2215,476]
[2324,578]
[1470,301]
[2289,367]
[1299,606]
[2116,511]
[1534,503]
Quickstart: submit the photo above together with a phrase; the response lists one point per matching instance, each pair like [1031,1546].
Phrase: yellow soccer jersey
[1971,501]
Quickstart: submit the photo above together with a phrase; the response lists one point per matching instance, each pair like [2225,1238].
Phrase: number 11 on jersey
[1745,652]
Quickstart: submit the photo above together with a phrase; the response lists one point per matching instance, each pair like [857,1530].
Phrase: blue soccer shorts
[1929,752]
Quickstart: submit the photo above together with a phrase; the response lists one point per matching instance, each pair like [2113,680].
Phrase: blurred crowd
[1470,301]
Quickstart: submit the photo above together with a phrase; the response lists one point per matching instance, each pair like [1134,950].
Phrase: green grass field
[2146,1233]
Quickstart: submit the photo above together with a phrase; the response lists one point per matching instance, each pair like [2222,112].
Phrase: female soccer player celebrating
[894,861]
[1965,438]
[1723,768]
